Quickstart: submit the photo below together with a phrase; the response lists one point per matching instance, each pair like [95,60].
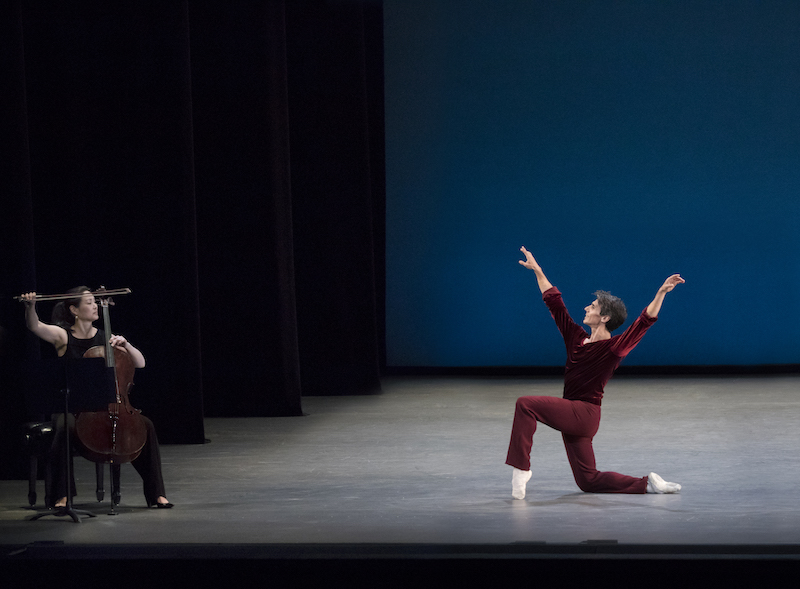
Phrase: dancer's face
[593,317]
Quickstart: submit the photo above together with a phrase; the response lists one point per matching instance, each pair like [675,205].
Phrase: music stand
[86,385]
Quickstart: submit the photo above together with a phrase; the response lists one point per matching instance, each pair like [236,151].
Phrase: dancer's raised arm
[670,283]
[531,264]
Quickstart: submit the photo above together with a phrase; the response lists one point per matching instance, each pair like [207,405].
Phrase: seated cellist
[72,334]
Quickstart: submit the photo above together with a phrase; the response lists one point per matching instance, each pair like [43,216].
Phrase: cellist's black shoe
[164,505]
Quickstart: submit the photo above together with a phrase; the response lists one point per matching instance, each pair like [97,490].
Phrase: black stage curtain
[224,160]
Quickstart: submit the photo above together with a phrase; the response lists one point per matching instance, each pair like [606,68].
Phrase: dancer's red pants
[578,422]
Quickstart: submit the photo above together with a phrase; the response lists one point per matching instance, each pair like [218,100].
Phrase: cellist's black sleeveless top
[76,348]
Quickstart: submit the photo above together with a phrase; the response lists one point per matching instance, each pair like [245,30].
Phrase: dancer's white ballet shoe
[519,480]
[655,484]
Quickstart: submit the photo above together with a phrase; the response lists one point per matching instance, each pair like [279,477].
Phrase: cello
[117,435]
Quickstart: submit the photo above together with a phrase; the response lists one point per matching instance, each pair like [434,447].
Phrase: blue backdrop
[620,142]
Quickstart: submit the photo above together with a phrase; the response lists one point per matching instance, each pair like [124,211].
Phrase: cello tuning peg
[104,298]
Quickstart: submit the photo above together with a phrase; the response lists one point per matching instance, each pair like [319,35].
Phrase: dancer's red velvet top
[590,365]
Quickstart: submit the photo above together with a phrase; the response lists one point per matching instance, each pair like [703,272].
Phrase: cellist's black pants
[147,464]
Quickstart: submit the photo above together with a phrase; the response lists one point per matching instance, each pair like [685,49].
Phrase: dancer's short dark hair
[613,307]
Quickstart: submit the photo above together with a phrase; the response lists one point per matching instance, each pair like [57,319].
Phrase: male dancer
[591,361]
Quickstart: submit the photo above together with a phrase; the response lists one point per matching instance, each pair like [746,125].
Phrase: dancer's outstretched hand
[529,262]
[671,283]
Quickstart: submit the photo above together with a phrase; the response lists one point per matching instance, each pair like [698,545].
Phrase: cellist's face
[87,310]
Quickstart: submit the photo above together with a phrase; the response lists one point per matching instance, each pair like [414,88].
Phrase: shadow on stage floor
[402,487]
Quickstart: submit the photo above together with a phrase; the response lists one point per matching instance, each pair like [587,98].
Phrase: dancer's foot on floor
[519,480]
[655,484]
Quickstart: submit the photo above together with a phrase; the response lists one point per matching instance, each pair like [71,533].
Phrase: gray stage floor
[423,464]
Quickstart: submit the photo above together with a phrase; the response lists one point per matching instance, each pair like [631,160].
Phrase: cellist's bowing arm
[137,358]
[52,334]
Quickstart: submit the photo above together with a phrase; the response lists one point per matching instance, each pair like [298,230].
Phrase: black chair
[38,437]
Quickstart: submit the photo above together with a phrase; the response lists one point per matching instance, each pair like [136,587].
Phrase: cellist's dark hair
[61,313]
